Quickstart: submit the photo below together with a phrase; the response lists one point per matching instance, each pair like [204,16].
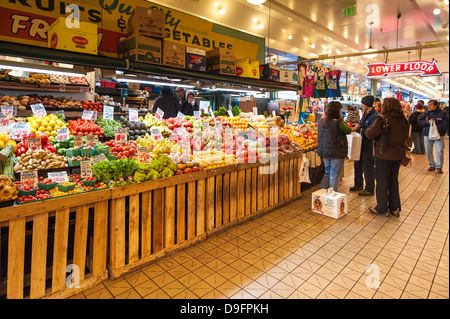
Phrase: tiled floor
[293,253]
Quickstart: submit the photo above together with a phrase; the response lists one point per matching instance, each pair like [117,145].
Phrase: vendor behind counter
[166,102]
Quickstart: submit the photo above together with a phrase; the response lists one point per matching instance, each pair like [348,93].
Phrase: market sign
[424,68]
[27,22]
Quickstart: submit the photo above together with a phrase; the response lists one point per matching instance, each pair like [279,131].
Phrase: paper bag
[354,146]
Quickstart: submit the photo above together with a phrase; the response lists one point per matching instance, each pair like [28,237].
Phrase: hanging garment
[320,89]
[333,87]
[308,88]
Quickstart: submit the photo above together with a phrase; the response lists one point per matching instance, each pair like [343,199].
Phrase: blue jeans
[440,147]
[333,168]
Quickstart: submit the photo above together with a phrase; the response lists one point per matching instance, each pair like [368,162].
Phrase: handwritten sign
[34,144]
[120,135]
[181,132]
[159,114]
[100,157]
[186,147]
[108,112]
[4,121]
[230,113]
[197,115]
[94,115]
[8,110]
[156,133]
[91,140]
[78,141]
[38,110]
[58,177]
[144,154]
[63,115]
[27,176]
[19,130]
[62,87]
[180,115]
[62,134]
[87,115]
[133,115]
[85,169]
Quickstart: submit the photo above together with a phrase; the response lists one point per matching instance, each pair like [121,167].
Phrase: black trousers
[387,192]
[365,166]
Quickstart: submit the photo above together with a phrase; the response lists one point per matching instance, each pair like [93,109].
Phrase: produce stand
[145,221]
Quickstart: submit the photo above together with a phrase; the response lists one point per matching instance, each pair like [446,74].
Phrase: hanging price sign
[34,144]
[120,135]
[133,115]
[87,115]
[58,177]
[108,112]
[19,130]
[144,155]
[29,177]
[91,140]
[78,141]
[159,114]
[62,134]
[85,169]
[38,110]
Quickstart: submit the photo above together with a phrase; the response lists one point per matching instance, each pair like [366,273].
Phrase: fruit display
[8,190]
[220,112]
[62,146]
[276,121]
[42,194]
[123,150]
[40,159]
[84,127]
[50,124]
[46,144]
[56,192]
[305,135]
[135,129]
[115,173]
[163,146]
[92,106]
[108,126]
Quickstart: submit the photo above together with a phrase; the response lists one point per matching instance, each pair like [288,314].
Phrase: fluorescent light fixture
[153,82]
[236,90]
[256,1]
[33,68]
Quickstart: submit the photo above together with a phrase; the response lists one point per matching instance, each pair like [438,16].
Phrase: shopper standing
[181,96]
[377,105]
[440,118]
[445,108]
[166,102]
[389,133]
[417,130]
[332,144]
[366,165]
[189,106]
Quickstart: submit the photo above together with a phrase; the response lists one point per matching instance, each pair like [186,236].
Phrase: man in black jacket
[366,164]
[166,102]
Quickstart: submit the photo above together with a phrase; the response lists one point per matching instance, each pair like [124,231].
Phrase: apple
[178,172]
[195,169]
[187,170]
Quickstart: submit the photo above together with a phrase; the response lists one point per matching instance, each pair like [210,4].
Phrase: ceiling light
[34,68]
[370,56]
[313,46]
[256,1]
[345,58]
[446,2]
[436,11]
[290,36]
[261,25]
[222,10]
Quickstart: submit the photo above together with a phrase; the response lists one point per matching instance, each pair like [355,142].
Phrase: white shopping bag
[433,134]
[329,203]
[354,146]
[303,173]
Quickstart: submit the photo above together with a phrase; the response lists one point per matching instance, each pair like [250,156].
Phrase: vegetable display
[84,127]
[108,126]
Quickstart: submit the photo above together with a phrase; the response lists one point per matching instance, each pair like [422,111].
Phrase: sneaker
[356,188]
[431,169]
[374,211]
[439,171]
[365,193]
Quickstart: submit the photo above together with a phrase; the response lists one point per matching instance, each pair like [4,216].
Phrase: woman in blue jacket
[440,118]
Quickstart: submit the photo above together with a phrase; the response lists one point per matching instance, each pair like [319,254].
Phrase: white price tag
[212,114]
[108,112]
[58,177]
[186,147]
[94,115]
[120,135]
[91,140]
[38,110]
[19,130]
[159,114]
[34,144]
[27,176]
[78,141]
[144,154]
[87,115]
[62,134]
[59,112]
[62,87]
[133,115]
[7,110]
[230,114]
[180,115]
[197,115]
[85,169]
[156,133]
[4,121]
[255,110]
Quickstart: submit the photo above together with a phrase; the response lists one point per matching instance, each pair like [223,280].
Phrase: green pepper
[57,145]
[65,144]
[61,151]
[71,144]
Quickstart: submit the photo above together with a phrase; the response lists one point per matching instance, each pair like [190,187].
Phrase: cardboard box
[174,54]
[148,22]
[247,68]
[195,59]
[221,61]
[269,72]
[140,48]
[329,203]
[82,39]
[286,76]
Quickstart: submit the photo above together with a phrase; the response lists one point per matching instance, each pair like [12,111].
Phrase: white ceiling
[321,22]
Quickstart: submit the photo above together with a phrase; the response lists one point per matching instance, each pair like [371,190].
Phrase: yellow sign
[27,22]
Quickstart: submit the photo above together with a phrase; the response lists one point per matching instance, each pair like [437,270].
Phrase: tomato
[126,153]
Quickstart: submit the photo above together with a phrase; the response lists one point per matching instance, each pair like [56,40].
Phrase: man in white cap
[181,96]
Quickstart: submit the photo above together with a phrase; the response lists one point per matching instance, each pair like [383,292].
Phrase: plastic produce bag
[303,173]
[354,146]
[433,134]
